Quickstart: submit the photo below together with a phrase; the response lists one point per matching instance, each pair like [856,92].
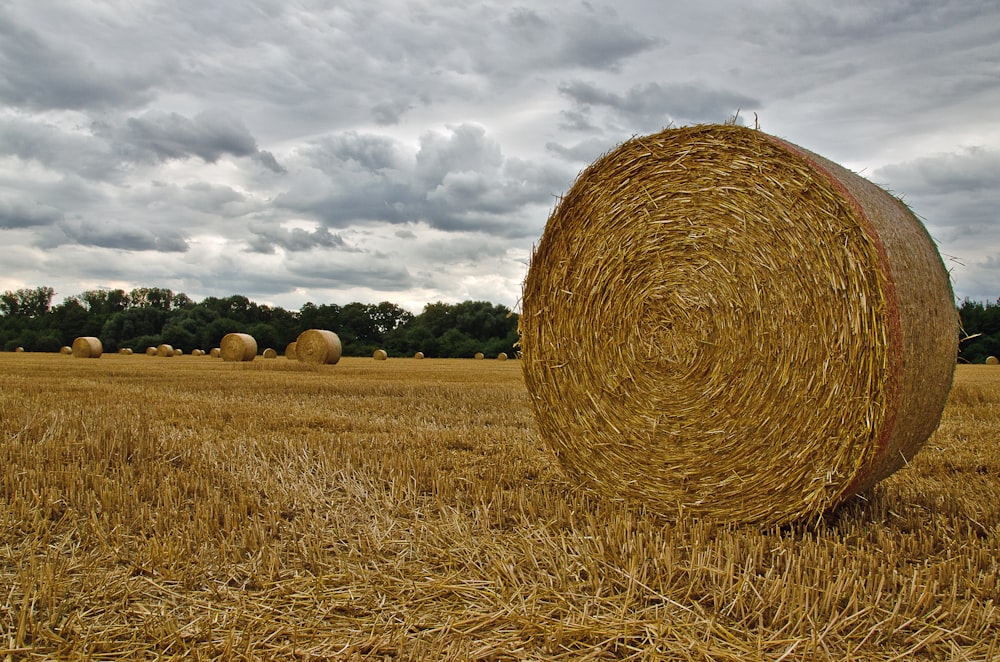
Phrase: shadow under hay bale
[767,332]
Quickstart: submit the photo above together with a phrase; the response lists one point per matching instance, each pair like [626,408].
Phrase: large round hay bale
[270,353]
[380,355]
[87,347]
[318,346]
[418,355]
[164,349]
[992,360]
[290,351]
[767,333]
[238,347]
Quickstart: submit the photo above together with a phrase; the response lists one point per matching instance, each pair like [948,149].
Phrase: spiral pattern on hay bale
[87,347]
[238,347]
[767,333]
[318,346]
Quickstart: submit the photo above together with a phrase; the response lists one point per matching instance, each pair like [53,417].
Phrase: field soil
[406,509]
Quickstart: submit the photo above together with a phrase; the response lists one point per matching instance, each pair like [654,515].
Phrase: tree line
[981,325]
[148,316]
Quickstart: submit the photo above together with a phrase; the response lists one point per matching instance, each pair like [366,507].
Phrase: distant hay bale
[87,347]
[150,351]
[238,347]
[125,350]
[18,350]
[318,346]
[719,323]
[66,349]
[197,352]
[380,355]
[164,349]
[178,351]
[992,360]
[502,356]
[290,351]
[215,353]
[270,353]
[479,356]
[418,355]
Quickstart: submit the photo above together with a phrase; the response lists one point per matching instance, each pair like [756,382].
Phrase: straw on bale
[318,346]
[215,352]
[65,349]
[87,347]
[164,349]
[238,347]
[290,351]
[767,332]
[479,356]
[418,355]
[502,356]
[380,355]
[270,353]
[992,360]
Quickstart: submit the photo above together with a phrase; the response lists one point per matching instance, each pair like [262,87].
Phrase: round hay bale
[178,351]
[215,353]
[992,360]
[318,346]
[87,347]
[767,332]
[238,347]
[65,349]
[418,355]
[164,349]
[479,356]
[270,353]
[150,351]
[125,350]
[19,350]
[290,351]
[380,355]
[502,356]
[197,352]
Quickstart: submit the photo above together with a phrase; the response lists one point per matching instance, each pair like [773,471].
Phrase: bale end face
[239,347]
[318,346]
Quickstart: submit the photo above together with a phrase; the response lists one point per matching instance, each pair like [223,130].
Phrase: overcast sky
[411,151]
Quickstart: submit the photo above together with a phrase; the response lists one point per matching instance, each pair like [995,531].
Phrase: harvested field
[221,510]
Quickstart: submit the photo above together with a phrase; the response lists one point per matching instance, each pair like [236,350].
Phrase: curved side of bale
[380,355]
[318,346]
[238,347]
[418,355]
[65,349]
[87,347]
[163,349]
[270,353]
[784,331]
[290,351]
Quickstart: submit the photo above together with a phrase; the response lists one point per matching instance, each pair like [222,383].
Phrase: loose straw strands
[87,347]
[318,346]
[768,333]
[238,347]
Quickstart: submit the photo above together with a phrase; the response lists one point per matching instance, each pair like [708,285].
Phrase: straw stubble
[768,332]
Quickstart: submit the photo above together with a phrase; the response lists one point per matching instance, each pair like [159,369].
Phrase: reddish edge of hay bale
[784,331]
[380,355]
[270,353]
[238,347]
[318,346]
[87,347]
[290,351]
[163,349]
